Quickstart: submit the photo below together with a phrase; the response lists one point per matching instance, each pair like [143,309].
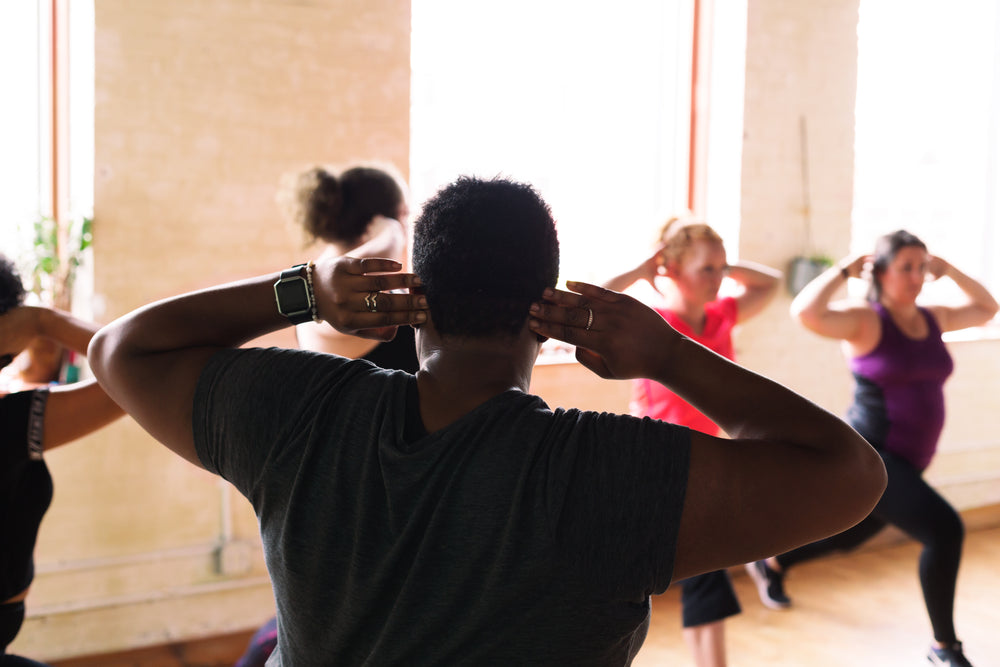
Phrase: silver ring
[371,302]
[590,319]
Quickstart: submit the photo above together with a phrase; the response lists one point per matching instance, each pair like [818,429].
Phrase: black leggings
[911,505]
[11,618]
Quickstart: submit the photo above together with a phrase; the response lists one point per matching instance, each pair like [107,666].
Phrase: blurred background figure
[894,349]
[363,212]
[687,272]
[34,421]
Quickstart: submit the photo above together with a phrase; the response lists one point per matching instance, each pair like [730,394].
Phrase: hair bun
[311,200]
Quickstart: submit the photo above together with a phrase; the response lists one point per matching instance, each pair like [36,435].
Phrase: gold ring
[371,302]
[590,319]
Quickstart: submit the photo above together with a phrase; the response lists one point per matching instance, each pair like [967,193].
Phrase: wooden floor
[862,609]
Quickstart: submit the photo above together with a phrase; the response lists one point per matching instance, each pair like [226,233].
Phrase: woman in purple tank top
[900,363]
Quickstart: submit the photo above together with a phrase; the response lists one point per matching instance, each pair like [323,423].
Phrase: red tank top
[652,399]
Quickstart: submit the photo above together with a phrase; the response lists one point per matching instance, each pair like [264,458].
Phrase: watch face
[292,296]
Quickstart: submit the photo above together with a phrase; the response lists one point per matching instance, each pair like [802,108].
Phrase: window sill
[989,331]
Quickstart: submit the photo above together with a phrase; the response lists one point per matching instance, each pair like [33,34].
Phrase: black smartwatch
[293,296]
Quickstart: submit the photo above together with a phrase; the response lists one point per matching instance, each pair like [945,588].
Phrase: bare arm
[647,270]
[979,309]
[792,474]
[759,284]
[172,340]
[855,323]
[385,237]
[75,410]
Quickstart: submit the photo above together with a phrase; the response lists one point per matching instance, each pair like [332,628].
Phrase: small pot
[802,271]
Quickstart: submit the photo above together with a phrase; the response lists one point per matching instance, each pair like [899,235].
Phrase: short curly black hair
[484,250]
[12,290]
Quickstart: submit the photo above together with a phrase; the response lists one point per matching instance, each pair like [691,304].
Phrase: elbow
[866,480]
[799,313]
[99,355]
[873,477]
[770,286]
[992,311]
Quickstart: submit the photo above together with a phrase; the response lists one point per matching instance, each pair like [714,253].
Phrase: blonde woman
[687,269]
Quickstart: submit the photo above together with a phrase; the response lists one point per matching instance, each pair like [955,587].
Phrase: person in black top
[450,517]
[361,212]
[32,423]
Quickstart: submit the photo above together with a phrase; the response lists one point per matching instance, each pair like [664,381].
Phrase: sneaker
[770,585]
[950,656]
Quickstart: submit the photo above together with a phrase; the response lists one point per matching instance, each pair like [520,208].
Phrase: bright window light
[927,144]
[588,101]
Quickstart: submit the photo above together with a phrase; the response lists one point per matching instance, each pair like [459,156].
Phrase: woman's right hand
[616,336]
[647,270]
[18,327]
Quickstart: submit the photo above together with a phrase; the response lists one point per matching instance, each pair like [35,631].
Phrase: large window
[25,133]
[46,165]
[928,114]
[589,101]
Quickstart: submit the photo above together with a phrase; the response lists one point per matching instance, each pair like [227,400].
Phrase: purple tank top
[899,391]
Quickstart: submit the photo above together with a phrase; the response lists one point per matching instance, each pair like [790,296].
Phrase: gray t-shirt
[515,535]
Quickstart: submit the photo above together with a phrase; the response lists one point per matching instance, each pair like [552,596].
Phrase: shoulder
[619,434]
[867,318]
[252,378]
[22,418]
[727,307]
[937,316]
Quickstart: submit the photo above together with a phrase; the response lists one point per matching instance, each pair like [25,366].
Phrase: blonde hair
[678,235]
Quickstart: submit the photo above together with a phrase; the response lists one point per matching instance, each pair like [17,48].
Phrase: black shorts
[706,598]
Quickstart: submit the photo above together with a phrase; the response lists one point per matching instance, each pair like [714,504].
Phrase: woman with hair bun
[900,364]
[362,212]
[687,269]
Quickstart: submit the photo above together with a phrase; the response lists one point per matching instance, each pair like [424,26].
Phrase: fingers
[384,302]
[370,297]
[363,265]
[593,292]
[564,332]
[566,316]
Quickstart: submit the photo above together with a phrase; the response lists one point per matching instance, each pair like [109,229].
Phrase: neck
[899,308]
[458,374]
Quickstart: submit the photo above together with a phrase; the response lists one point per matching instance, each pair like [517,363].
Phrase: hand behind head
[626,339]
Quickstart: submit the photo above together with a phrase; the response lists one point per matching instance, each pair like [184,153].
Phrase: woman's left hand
[616,337]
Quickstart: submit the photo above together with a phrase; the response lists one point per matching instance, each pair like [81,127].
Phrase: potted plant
[802,270]
[49,267]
